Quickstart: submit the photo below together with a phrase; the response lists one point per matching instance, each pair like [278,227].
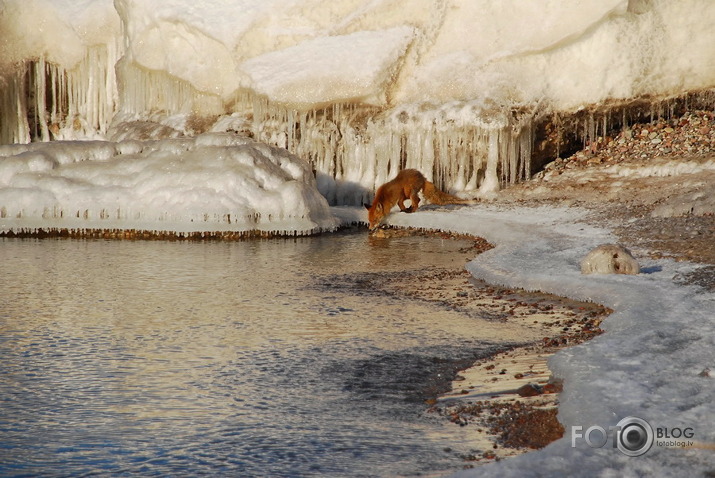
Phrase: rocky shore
[653,184]
[511,399]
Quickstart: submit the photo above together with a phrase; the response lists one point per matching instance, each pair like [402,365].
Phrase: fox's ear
[367,206]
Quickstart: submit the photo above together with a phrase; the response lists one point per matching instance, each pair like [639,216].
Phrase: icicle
[491,178]
[143,91]
[360,147]
[41,98]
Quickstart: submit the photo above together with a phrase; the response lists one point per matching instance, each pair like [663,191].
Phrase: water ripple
[182,359]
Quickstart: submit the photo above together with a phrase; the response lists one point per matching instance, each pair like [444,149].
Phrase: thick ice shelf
[360,90]
[214,182]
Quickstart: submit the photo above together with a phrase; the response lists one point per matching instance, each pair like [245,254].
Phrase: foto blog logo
[632,436]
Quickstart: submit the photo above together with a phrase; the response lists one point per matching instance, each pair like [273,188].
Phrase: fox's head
[375,215]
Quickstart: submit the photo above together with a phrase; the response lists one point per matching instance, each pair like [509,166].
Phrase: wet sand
[512,398]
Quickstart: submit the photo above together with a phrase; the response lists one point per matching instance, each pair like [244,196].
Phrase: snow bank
[648,364]
[214,182]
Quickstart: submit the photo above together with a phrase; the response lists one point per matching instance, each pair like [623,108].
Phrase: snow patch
[695,203]
[661,167]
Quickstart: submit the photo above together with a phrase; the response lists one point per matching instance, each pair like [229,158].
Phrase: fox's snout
[373,223]
[374,215]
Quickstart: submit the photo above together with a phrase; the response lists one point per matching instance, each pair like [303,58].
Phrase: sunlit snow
[214,182]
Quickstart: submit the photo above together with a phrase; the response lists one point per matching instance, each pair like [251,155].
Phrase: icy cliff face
[359,89]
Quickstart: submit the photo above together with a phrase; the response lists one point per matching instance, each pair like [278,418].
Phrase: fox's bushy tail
[435,196]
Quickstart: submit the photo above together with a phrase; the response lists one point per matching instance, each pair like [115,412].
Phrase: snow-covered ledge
[214,182]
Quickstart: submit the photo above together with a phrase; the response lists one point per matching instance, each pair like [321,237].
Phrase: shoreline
[653,201]
[512,397]
[659,313]
[507,402]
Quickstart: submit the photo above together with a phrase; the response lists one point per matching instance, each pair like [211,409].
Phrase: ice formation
[358,89]
[213,182]
[609,259]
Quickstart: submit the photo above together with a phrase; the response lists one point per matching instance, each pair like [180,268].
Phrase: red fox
[406,185]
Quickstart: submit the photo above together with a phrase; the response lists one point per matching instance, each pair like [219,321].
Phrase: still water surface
[224,358]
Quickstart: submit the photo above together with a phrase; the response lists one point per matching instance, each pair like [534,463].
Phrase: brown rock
[529,390]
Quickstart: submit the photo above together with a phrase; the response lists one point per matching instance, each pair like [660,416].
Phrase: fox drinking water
[406,185]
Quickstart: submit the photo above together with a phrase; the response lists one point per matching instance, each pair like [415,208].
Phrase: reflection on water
[181,358]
